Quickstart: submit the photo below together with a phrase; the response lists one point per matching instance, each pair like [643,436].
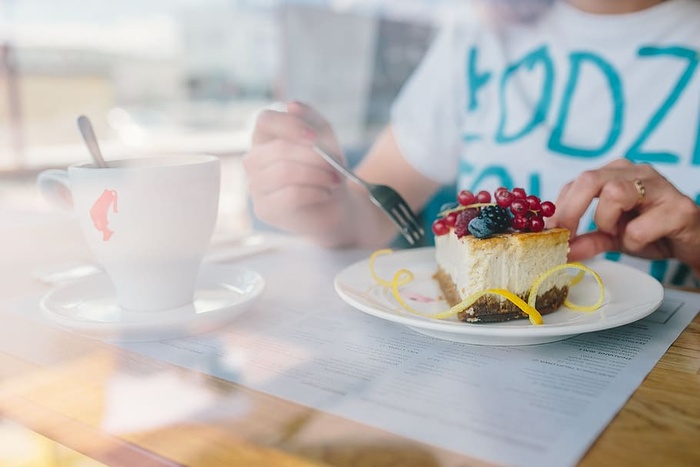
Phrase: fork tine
[405,219]
[412,219]
[391,210]
[398,210]
[407,232]
[384,197]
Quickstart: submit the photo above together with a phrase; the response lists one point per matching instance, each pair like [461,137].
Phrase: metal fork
[386,198]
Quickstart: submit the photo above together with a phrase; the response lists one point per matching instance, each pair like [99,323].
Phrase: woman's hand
[291,187]
[639,212]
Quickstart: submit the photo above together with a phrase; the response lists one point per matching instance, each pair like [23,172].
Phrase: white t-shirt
[533,105]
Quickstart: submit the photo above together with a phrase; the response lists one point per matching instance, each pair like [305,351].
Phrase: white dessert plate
[630,295]
[89,306]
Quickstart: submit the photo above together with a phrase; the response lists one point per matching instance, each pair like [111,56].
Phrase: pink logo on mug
[99,211]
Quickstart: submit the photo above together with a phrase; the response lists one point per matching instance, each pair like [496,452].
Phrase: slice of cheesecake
[511,261]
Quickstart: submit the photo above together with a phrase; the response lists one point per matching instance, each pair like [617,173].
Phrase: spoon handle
[91,140]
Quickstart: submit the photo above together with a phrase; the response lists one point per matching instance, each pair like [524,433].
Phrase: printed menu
[520,405]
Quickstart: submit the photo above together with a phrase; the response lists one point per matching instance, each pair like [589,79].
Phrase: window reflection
[189,75]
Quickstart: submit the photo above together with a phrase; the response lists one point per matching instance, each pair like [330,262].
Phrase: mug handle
[54,186]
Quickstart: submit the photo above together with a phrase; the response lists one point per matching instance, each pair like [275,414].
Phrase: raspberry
[498,216]
[462,222]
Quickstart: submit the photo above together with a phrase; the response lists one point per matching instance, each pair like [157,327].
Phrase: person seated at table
[592,103]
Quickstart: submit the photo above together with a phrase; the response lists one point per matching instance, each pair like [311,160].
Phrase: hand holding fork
[385,198]
[293,189]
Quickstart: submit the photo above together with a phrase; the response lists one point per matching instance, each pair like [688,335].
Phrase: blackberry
[498,216]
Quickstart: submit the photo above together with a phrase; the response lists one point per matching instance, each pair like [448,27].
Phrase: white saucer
[88,306]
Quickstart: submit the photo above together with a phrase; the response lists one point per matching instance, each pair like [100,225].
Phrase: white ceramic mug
[149,222]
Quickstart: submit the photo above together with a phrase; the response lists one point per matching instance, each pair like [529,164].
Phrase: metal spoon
[91,141]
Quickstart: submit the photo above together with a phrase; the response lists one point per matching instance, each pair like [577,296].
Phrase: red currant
[466,197]
[519,193]
[440,227]
[483,197]
[499,190]
[451,218]
[520,222]
[533,202]
[519,206]
[547,209]
[536,224]
[504,198]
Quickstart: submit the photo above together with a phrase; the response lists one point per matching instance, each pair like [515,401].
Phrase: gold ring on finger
[641,191]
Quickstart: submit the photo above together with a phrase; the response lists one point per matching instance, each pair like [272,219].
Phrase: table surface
[56,385]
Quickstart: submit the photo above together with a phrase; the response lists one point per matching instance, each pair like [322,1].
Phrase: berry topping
[451,218]
[465,198]
[499,191]
[440,227]
[536,223]
[483,197]
[519,193]
[510,210]
[463,219]
[504,198]
[498,215]
[547,209]
[533,202]
[519,206]
[482,227]
[520,222]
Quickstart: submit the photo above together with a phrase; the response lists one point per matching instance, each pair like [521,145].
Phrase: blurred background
[189,76]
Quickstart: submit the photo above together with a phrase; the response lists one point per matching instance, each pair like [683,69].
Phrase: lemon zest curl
[405,276]
[463,207]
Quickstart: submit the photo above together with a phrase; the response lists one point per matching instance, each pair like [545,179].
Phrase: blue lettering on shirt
[475,79]
[578,59]
[529,61]
[539,59]
[635,153]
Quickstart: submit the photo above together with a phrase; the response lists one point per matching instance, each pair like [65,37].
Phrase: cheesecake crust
[491,308]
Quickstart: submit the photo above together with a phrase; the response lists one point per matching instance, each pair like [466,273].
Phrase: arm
[385,164]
